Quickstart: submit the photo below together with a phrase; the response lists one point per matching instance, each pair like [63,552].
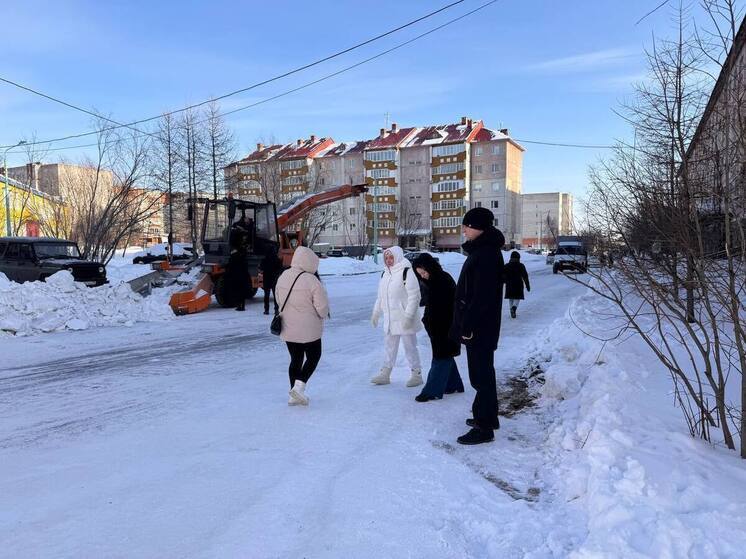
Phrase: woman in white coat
[398,302]
[305,305]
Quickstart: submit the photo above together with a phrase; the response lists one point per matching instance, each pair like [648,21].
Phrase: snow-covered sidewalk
[164,440]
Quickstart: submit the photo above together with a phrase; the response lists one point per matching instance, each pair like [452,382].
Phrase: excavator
[265,228]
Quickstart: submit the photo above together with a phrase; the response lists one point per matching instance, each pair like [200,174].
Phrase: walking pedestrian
[476,320]
[304,307]
[443,377]
[271,267]
[515,276]
[398,301]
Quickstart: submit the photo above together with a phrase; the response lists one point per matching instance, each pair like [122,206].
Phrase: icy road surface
[175,440]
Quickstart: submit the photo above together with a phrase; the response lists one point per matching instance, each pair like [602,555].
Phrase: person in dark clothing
[476,320]
[271,267]
[237,274]
[515,275]
[443,377]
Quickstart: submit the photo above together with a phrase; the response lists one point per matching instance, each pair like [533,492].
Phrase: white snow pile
[346,266]
[121,269]
[623,452]
[62,304]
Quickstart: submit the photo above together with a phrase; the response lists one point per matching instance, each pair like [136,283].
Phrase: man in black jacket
[476,321]
[271,267]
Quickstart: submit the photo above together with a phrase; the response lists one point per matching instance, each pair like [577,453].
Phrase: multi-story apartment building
[421,179]
[544,216]
[257,175]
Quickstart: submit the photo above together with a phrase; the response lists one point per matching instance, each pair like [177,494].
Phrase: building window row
[448,186]
[379,173]
[448,204]
[447,222]
[450,149]
[293,164]
[288,181]
[385,155]
[448,168]
[248,169]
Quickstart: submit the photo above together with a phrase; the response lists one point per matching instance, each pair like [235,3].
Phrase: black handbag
[276,326]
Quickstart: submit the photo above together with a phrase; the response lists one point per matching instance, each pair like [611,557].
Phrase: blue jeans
[443,377]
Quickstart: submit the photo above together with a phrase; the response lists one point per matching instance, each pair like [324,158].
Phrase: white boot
[415,379]
[297,394]
[384,377]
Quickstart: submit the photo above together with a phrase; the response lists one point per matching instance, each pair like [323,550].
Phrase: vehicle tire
[555,269]
[221,293]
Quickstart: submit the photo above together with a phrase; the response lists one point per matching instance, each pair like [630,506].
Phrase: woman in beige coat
[305,305]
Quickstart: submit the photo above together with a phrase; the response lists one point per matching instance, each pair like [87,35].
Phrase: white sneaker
[384,377]
[415,379]
[297,394]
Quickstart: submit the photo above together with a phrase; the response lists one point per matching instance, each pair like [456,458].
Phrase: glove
[374,321]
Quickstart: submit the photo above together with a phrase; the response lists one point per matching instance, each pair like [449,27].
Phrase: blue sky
[547,70]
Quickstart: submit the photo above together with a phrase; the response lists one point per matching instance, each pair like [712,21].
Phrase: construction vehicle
[265,229]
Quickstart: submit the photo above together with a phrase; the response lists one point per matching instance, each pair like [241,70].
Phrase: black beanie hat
[479,218]
[515,255]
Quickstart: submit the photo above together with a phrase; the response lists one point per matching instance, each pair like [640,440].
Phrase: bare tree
[410,221]
[550,230]
[356,227]
[221,146]
[168,170]
[653,204]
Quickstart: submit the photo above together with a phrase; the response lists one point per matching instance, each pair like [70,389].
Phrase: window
[448,168]
[379,173]
[352,225]
[494,204]
[385,191]
[447,222]
[496,167]
[335,227]
[448,186]
[479,150]
[289,181]
[477,204]
[387,155]
[323,181]
[477,187]
[496,186]
[497,149]
[477,168]
[352,211]
[248,169]
[450,149]
[448,205]
[294,164]
[383,207]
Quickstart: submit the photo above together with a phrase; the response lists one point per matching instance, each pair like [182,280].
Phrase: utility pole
[8,231]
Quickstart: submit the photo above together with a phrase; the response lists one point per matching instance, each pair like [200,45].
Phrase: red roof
[446,134]
[306,148]
[391,139]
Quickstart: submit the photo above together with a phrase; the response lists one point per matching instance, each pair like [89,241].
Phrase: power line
[564,145]
[224,96]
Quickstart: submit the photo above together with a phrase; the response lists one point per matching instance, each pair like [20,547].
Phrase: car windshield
[571,249]
[56,250]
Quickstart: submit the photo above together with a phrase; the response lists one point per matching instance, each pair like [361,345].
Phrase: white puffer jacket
[308,305]
[398,301]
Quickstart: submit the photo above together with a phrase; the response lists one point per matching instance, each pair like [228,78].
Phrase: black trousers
[482,377]
[303,360]
[267,290]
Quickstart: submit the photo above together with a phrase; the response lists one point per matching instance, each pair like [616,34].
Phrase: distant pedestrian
[271,267]
[443,377]
[515,276]
[237,276]
[476,321]
[304,307]
[398,302]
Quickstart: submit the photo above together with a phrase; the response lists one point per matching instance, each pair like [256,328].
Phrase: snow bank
[646,488]
[62,304]
[121,269]
[346,266]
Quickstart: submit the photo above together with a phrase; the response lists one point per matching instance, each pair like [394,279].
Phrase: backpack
[423,287]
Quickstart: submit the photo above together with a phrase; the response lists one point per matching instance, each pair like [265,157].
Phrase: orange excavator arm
[297,211]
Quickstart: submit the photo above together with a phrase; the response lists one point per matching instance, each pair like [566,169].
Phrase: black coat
[271,267]
[438,317]
[515,275]
[478,306]
[237,280]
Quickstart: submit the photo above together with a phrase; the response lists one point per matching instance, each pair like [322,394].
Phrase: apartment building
[31,212]
[421,179]
[544,216]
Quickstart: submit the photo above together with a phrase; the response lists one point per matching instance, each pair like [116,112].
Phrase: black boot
[241,307]
[425,398]
[476,436]
[473,423]
[512,312]
[266,311]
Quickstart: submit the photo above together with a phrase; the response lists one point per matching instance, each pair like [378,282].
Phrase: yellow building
[32,212]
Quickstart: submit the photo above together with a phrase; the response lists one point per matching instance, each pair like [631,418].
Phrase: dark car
[36,258]
[412,256]
[336,253]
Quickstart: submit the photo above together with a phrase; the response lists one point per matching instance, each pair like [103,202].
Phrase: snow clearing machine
[264,227]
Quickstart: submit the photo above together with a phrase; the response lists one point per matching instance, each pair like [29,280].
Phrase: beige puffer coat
[308,305]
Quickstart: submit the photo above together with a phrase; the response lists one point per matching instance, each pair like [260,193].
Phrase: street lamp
[7,187]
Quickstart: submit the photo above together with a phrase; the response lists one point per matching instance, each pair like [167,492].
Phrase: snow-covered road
[175,440]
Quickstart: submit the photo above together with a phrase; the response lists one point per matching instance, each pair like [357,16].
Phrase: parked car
[336,253]
[159,253]
[550,257]
[25,259]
